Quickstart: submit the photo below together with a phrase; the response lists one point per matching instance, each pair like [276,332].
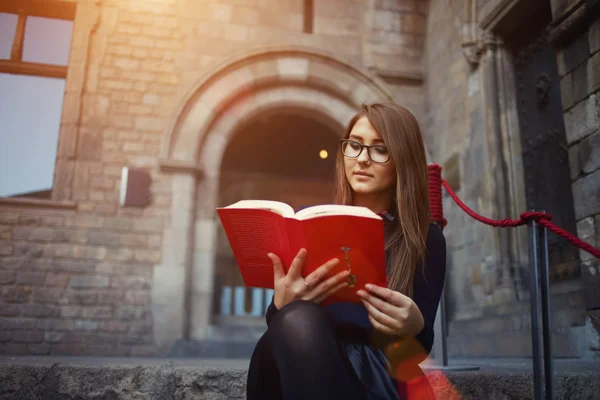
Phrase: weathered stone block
[86,281]
[586,230]
[31,278]
[594,36]
[17,294]
[566,91]
[18,323]
[593,73]
[5,232]
[128,313]
[6,248]
[97,312]
[560,6]
[580,82]
[7,277]
[54,337]
[118,223]
[582,119]
[151,225]
[120,254]
[104,238]
[574,165]
[70,311]
[9,310]
[49,295]
[131,282]
[83,325]
[114,326]
[40,310]
[137,297]
[572,55]
[113,297]
[589,153]
[133,240]
[28,337]
[586,193]
[51,324]
[147,255]
[85,221]
[5,336]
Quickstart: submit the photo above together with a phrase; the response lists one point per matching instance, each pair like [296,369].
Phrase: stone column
[171,279]
[498,185]
[204,255]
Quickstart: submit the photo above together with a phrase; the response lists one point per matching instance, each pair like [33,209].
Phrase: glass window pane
[30,112]
[47,40]
[8,28]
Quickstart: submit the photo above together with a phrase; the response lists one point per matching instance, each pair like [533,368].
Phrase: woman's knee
[300,318]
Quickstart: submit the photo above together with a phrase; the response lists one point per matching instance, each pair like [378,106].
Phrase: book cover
[354,235]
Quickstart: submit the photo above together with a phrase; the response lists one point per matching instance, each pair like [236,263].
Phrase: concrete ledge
[112,378]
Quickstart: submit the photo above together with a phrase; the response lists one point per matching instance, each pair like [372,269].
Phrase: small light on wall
[323,154]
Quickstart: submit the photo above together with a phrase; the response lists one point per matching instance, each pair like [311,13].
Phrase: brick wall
[579,69]
[73,283]
[394,40]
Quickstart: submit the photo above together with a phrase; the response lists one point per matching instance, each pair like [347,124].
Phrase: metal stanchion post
[546,322]
[540,305]
[444,330]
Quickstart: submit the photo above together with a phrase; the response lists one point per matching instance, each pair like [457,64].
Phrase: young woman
[369,350]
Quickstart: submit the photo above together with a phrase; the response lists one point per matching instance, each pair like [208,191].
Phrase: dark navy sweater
[427,290]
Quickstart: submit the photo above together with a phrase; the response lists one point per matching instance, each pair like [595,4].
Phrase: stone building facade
[196,93]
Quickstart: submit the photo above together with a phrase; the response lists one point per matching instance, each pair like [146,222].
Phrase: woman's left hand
[392,312]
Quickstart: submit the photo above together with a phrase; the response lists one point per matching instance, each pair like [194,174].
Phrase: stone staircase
[24,378]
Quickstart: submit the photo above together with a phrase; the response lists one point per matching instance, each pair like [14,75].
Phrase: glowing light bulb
[323,154]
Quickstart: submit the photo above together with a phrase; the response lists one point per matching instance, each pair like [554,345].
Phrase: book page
[274,206]
[334,209]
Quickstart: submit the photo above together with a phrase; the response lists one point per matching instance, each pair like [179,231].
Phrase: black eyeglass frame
[363,146]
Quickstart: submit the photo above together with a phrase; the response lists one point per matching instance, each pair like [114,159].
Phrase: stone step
[25,378]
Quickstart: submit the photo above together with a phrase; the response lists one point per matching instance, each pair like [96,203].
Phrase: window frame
[23,9]
[52,9]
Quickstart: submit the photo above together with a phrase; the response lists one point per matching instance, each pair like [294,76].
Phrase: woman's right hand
[291,286]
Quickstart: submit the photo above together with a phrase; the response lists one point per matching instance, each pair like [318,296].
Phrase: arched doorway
[285,155]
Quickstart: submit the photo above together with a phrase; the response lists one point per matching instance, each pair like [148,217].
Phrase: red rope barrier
[434,173]
[544,219]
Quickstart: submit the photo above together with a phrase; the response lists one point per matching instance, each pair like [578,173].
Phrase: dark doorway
[543,140]
[283,155]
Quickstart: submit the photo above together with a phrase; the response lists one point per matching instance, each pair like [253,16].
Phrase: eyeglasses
[377,153]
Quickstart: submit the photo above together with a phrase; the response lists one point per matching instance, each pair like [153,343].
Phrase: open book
[354,235]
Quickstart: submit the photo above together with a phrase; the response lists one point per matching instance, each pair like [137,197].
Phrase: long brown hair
[401,134]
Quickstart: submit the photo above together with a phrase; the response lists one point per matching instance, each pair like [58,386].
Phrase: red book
[354,235]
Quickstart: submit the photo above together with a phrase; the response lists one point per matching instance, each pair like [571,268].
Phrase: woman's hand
[392,312]
[292,286]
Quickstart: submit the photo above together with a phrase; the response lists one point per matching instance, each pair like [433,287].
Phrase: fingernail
[269,255]
[361,293]
[368,286]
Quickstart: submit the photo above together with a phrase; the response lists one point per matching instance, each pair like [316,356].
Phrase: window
[308,12]
[35,40]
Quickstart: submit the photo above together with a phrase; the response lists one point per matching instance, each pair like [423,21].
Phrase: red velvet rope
[434,173]
[544,219]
